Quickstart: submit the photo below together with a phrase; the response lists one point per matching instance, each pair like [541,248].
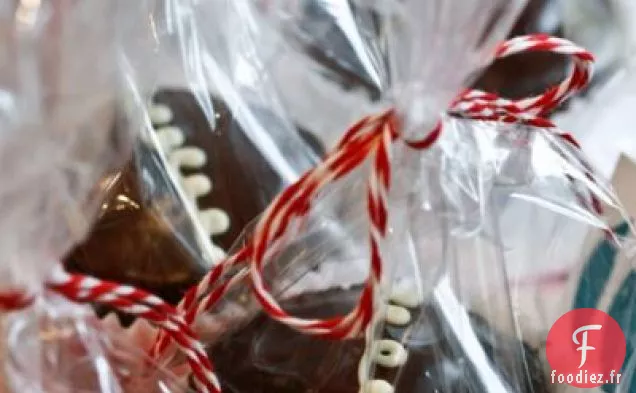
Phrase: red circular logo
[586,348]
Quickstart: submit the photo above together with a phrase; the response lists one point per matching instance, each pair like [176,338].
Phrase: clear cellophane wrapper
[480,292]
[114,191]
[329,251]
[454,258]
[447,311]
[214,150]
[73,100]
[481,223]
[78,146]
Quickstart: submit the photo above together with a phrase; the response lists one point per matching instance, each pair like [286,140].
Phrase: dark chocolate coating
[142,235]
[243,182]
[267,356]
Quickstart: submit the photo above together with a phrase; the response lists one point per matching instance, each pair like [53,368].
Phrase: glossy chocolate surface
[269,357]
[243,181]
[142,235]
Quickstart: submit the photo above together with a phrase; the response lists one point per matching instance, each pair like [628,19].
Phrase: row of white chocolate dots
[385,352]
[213,220]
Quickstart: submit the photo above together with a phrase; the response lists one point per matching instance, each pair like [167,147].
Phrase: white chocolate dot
[215,221]
[397,315]
[389,353]
[377,386]
[197,185]
[188,157]
[407,297]
[160,114]
[170,137]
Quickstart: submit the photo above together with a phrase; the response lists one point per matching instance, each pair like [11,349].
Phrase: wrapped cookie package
[482,224]
[403,253]
[446,321]
[70,110]
[208,160]
[109,193]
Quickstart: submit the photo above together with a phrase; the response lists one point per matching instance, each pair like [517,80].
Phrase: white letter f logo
[584,347]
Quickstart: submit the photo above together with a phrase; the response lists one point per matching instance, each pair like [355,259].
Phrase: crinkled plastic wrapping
[529,206]
[353,58]
[57,347]
[76,78]
[60,95]
[212,150]
[448,276]
[379,47]
[215,148]
[471,219]
[448,217]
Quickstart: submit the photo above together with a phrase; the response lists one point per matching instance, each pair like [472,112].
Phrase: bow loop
[480,105]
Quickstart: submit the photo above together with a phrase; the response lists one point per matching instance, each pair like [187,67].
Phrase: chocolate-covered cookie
[143,235]
[243,178]
[187,193]
[267,356]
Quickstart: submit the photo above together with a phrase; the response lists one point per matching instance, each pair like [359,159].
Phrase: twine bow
[370,138]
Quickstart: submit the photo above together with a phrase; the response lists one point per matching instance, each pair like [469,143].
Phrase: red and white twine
[137,302]
[372,137]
